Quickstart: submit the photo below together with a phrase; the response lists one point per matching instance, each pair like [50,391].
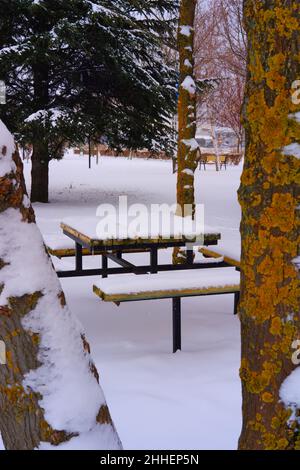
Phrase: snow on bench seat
[171,284]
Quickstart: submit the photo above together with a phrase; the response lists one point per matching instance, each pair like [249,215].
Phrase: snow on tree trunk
[49,390]
[270,197]
[187,144]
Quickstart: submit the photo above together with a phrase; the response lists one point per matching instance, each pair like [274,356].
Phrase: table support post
[78,257]
[176,324]
[154,259]
[190,256]
[236,302]
[104,266]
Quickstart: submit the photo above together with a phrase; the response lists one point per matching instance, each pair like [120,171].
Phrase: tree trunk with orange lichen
[270,197]
[187,103]
[23,422]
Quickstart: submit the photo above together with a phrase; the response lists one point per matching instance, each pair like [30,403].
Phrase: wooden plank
[70,252]
[66,252]
[80,236]
[165,294]
[214,254]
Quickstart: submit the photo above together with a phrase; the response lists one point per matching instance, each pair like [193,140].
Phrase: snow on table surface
[58,242]
[175,280]
[92,228]
[148,389]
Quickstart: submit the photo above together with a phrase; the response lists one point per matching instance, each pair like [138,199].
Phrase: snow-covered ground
[190,400]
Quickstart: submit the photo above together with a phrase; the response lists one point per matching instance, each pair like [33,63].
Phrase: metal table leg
[154,260]
[78,257]
[236,302]
[104,266]
[176,324]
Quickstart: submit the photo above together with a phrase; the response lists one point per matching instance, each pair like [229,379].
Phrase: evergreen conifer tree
[79,68]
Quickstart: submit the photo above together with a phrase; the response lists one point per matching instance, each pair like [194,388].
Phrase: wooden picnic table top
[88,238]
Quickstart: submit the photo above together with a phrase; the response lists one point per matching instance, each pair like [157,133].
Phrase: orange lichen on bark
[269,196]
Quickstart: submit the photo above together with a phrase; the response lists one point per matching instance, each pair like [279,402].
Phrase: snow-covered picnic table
[90,233]
[88,237]
[215,274]
[155,280]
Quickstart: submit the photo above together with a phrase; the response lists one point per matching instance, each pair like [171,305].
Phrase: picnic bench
[207,274]
[171,285]
[225,160]
[208,159]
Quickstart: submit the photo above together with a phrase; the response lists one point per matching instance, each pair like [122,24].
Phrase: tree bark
[270,197]
[23,422]
[40,155]
[40,173]
[187,107]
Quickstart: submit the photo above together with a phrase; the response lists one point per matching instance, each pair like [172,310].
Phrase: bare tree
[233,35]
[220,52]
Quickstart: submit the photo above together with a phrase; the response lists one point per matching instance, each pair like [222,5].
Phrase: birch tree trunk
[187,107]
[49,390]
[270,197]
